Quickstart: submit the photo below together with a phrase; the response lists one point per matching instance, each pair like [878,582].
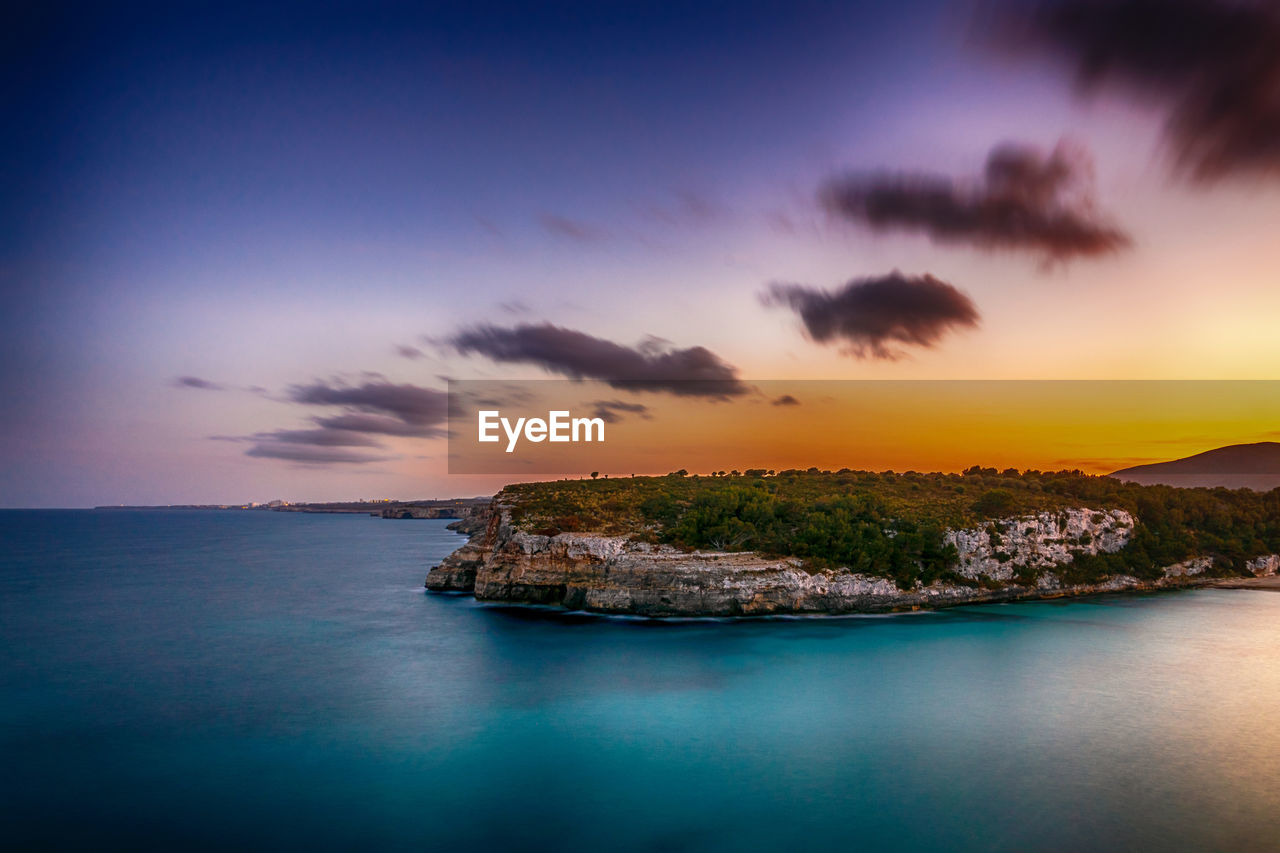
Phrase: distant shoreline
[427,508]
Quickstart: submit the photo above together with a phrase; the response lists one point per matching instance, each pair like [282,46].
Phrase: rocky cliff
[473,519]
[1002,550]
[466,510]
[1004,560]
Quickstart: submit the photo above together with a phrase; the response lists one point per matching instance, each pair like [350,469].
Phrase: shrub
[995,503]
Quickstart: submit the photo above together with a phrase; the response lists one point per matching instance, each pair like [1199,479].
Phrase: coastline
[1271,583]
[612,575]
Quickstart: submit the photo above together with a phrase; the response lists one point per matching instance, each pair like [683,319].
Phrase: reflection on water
[214,679]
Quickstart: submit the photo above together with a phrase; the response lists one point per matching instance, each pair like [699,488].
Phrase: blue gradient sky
[266,195]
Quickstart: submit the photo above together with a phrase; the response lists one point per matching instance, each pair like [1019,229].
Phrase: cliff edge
[1007,559]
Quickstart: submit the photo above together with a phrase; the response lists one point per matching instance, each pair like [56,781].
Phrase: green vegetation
[892,525]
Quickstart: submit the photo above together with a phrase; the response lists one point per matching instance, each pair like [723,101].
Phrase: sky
[243,247]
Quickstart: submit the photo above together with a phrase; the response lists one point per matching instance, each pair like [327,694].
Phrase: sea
[187,680]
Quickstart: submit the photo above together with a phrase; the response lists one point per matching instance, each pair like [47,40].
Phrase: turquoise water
[266,680]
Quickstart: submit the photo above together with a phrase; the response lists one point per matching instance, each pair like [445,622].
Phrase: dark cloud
[651,366]
[388,408]
[374,408]
[1212,66]
[559,226]
[1025,201]
[611,410]
[785,400]
[411,353]
[314,446]
[196,382]
[870,317]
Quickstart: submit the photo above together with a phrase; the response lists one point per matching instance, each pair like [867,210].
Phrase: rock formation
[1003,560]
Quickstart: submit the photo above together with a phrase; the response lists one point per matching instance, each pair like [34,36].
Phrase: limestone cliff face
[457,572]
[473,520]
[609,574]
[464,511]
[1264,567]
[999,549]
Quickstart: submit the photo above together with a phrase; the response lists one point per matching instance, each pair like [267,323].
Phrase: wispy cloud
[310,454]
[611,411]
[369,410]
[1105,464]
[688,209]
[378,406]
[318,446]
[197,382]
[571,229]
[320,437]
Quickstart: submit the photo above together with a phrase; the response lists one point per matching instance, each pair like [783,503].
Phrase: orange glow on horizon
[1097,427]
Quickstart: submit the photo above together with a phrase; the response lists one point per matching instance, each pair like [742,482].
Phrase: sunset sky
[244,246]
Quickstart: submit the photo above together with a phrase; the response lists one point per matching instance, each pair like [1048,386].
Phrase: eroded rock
[612,574]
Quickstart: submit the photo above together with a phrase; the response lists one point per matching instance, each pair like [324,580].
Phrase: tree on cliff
[994,503]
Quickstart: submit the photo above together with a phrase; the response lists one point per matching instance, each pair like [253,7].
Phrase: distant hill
[1237,466]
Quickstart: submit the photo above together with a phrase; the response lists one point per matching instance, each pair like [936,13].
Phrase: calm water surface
[218,679]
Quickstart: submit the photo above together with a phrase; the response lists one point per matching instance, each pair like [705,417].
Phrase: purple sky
[210,208]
